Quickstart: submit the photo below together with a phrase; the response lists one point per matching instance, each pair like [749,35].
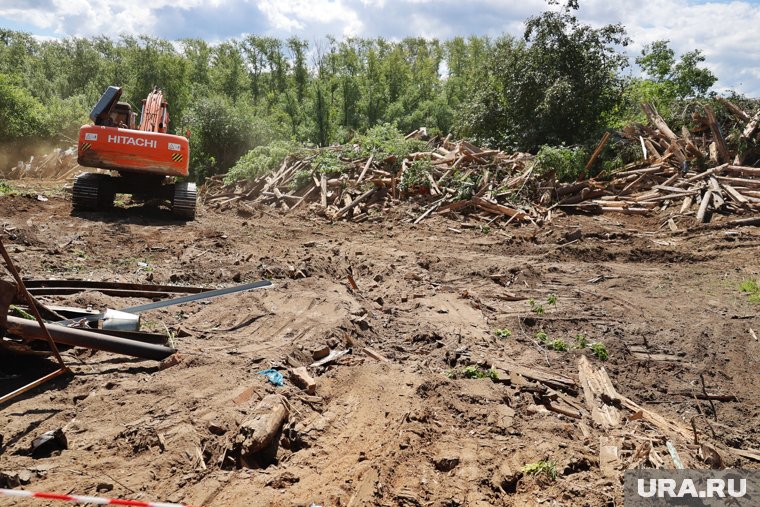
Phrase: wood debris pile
[450,176]
[59,164]
[695,174]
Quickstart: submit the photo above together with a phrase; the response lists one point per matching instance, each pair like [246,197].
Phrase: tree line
[562,83]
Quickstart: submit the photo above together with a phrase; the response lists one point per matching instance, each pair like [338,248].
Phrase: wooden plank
[364,171]
[323,187]
[600,395]
[717,135]
[735,195]
[352,204]
[498,208]
[550,378]
[594,156]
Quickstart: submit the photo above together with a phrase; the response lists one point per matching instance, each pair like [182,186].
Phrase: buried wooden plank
[601,396]
[552,379]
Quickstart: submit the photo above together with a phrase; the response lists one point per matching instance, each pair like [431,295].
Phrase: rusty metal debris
[45,334]
[88,339]
[118,289]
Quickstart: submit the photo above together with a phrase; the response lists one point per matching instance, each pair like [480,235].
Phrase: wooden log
[352,204]
[261,430]
[498,208]
[364,171]
[627,211]
[735,110]
[703,206]
[717,135]
[741,182]
[743,170]
[713,170]
[549,378]
[751,127]
[658,121]
[594,156]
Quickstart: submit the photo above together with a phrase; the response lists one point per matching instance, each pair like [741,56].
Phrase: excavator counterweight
[144,155]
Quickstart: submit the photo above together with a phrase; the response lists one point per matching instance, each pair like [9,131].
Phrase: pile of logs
[457,175]
[695,174]
[59,164]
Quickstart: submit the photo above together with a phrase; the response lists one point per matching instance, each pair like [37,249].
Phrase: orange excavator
[146,158]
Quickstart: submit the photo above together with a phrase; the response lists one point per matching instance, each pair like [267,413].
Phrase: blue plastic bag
[274,376]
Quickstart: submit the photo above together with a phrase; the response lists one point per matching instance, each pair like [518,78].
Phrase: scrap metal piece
[176,301]
[82,338]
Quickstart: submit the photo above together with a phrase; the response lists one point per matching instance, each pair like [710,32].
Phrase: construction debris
[31,330]
[699,173]
[59,164]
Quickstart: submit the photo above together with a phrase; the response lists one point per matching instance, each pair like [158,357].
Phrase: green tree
[557,86]
[21,115]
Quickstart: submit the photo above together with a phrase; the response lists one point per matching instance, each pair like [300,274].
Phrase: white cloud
[295,15]
[724,30]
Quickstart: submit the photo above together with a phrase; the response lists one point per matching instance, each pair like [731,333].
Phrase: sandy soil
[430,298]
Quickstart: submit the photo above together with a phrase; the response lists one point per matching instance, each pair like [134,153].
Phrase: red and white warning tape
[85,499]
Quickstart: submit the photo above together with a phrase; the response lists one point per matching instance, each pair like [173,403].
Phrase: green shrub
[600,351]
[503,333]
[416,175]
[475,371]
[261,160]
[752,289]
[566,163]
[328,163]
[384,141]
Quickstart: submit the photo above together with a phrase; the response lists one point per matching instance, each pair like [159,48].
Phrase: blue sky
[726,31]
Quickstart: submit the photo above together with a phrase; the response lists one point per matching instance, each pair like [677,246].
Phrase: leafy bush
[385,141]
[600,351]
[261,160]
[328,163]
[416,175]
[566,163]
[474,371]
[301,179]
[21,115]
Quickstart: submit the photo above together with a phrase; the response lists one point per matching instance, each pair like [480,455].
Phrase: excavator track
[92,192]
[183,202]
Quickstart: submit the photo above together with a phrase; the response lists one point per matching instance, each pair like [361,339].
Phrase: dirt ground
[429,298]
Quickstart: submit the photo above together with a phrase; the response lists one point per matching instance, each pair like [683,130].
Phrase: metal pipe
[34,384]
[80,338]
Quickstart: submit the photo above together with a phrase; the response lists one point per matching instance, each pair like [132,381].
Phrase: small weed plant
[546,469]
[752,289]
[503,333]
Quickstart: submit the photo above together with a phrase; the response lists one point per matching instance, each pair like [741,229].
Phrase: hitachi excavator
[146,158]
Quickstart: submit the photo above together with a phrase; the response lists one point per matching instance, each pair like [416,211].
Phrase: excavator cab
[145,157]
